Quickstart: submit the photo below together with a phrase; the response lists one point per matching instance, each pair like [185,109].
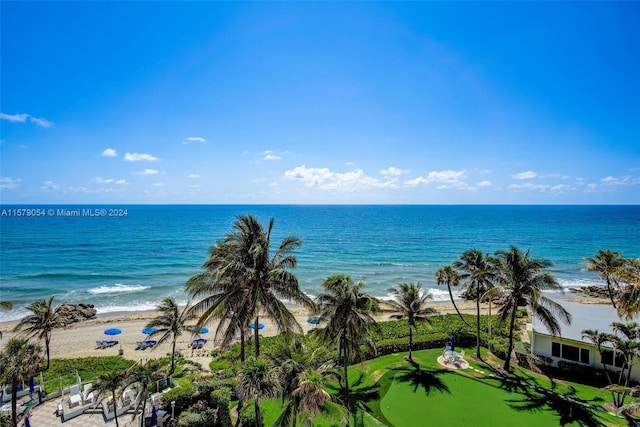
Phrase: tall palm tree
[347,313]
[143,374]
[606,263]
[447,275]
[477,269]
[627,345]
[410,301]
[19,360]
[40,323]
[170,324]
[257,380]
[521,279]
[628,276]
[112,382]
[241,272]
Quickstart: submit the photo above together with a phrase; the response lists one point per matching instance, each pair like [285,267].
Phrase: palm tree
[171,323]
[112,382]
[242,273]
[448,276]
[477,270]
[599,339]
[257,380]
[522,280]
[411,303]
[627,346]
[628,276]
[347,313]
[143,374]
[19,360]
[40,323]
[606,263]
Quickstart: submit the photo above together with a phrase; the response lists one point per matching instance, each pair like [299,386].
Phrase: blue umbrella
[154,417]
[313,320]
[260,325]
[148,331]
[453,343]
[112,331]
[27,423]
[32,384]
[200,330]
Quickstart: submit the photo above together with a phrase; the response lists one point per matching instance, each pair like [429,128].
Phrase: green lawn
[398,395]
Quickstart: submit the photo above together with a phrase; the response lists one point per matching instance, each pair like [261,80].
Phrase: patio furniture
[74,396]
[87,394]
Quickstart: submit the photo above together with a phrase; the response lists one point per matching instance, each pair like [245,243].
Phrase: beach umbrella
[453,343]
[200,330]
[112,331]
[154,417]
[252,325]
[32,384]
[313,320]
[148,331]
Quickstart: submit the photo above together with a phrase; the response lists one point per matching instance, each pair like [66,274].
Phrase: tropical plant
[410,302]
[477,269]
[143,375]
[170,324]
[347,313]
[606,263]
[243,281]
[447,275]
[40,323]
[257,380]
[521,280]
[599,339]
[112,382]
[628,297]
[5,305]
[19,360]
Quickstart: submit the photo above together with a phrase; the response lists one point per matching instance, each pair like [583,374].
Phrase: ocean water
[128,262]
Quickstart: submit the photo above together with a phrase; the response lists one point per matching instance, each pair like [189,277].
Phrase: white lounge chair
[74,396]
[87,394]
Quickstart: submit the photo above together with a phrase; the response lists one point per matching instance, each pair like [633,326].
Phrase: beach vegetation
[171,323]
[64,372]
[257,380]
[19,360]
[5,305]
[477,269]
[410,303]
[40,323]
[244,280]
[447,275]
[606,263]
[521,281]
[628,296]
[347,313]
[112,382]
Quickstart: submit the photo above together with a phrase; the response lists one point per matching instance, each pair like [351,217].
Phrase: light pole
[173,409]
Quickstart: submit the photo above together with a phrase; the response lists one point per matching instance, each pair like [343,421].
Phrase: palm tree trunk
[173,356]
[256,406]
[242,345]
[512,323]
[256,335]
[14,402]
[346,377]
[115,409]
[478,321]
[455,306]
[611,293]
[410,341]
[46,346]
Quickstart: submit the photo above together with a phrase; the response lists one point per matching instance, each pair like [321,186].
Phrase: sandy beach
[79,339]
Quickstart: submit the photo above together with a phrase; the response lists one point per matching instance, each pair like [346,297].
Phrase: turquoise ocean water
[127,263]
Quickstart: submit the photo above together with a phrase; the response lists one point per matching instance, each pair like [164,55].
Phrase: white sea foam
[438,294]
[117,288]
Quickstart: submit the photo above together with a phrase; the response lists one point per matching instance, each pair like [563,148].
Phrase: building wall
[542,345]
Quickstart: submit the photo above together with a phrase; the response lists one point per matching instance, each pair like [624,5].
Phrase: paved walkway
[44,416]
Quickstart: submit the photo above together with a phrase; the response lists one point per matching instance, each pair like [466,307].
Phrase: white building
[570,346]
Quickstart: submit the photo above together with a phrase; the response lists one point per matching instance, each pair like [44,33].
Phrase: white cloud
[194,139]
[9,183]
[100,180]
[148,172]
[525,175]
[158,184]
[50,185]
[135,157]
[541,187]
[446,179]
[484,184]
[417,181]
[109,152]
[269,155]
[392,171]
[193,175]
[325,179]
[22,118]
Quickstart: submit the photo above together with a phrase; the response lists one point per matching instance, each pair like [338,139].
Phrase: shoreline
[79,339]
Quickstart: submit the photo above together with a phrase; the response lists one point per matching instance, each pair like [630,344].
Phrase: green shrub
[193,419]
[182,395]
[223,419]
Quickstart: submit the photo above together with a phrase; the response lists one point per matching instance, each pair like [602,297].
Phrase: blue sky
[203,102]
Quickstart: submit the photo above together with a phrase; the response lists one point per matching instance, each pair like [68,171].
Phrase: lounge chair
[101,344]
[87,394]
[110,343]
[150,343]
[74,396]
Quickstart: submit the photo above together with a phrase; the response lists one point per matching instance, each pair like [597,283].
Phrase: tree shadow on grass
[420,379]
[569,409]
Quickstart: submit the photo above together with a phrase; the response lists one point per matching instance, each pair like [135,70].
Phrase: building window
[607,358]
[570,352]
